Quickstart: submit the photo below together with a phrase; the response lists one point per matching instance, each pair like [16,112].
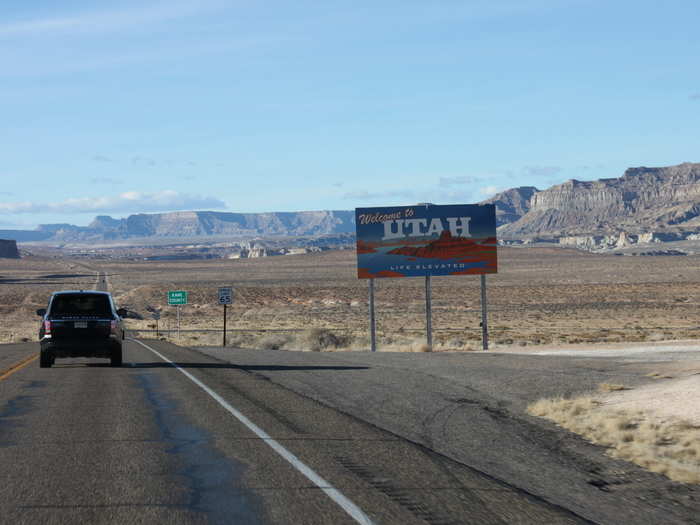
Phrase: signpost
[425,240]
[156,316]
[372,320]
[428,313]
[484,322]
[177,298]
[225,298]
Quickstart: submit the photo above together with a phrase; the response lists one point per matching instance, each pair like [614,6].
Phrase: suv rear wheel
[45,359]
[116,358]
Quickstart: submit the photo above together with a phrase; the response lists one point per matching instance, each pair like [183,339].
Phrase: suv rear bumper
[80,347]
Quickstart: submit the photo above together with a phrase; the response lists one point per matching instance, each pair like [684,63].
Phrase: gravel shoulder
[676,371]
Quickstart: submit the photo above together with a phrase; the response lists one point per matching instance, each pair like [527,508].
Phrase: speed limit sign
[225,295]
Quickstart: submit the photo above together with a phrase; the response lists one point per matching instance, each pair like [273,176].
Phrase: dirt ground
[540,296]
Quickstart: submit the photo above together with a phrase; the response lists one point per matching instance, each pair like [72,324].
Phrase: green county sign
[177,297]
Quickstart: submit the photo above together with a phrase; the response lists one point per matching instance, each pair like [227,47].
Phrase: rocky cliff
[188,224]
[512,204]
[643,200]
[8,249]
[198,224]
[644,205]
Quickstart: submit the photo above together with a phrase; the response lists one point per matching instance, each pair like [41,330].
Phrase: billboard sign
[176,297]
[419,240]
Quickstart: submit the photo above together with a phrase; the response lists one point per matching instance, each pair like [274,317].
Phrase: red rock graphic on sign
[446,247]
[365,247]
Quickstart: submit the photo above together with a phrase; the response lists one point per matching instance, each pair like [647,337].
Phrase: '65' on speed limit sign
[225,295]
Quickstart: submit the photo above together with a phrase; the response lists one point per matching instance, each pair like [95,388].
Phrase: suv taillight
[113,327]
[47,327]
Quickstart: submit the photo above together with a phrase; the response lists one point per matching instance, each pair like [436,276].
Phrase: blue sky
[142,106]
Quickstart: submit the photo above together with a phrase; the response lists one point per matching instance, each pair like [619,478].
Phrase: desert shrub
[670,447]
[507,341]
[274,341]
[611,387]
[317,339]
[235,341]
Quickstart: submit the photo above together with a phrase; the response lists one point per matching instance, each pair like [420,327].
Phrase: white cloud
[458,181]
[365,195]
[490,191]
[130,201]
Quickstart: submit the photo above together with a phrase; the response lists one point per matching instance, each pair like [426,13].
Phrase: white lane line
[348,506]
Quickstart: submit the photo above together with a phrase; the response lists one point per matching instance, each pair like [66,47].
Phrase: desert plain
[540,296]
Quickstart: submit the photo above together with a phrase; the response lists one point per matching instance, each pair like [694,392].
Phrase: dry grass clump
[562,410]
[659,375]
[404,344]
[274,341]
[669,447]
[314,340]
[611,387]
[317,339]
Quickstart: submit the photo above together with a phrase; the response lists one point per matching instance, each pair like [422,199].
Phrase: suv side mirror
[41,312]
[122,312]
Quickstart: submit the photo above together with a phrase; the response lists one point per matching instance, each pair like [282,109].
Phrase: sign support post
[428,312]
[225,298]
[484,322]
[372,320]
[176,298]
[224,342]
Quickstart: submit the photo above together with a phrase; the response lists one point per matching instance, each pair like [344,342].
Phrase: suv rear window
[81,305]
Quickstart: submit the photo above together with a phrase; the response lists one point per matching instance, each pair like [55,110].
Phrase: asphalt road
[290,437]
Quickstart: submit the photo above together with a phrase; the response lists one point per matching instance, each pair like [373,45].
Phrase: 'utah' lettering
[398,229]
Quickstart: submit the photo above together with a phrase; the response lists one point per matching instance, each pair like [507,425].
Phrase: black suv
[79,323]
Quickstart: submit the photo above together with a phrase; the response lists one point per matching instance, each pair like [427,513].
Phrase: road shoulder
[471,407]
